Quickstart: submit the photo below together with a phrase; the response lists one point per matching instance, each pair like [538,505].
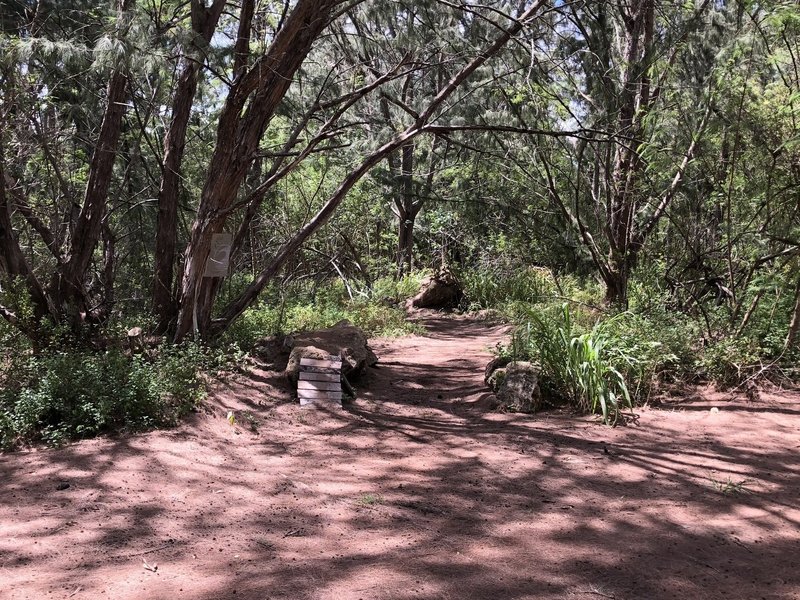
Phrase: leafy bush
[373,318]
[577,367]
[643,347]
[257,322]
[730,360]
[329,307]
[398,290]
[68,393]
[497,288]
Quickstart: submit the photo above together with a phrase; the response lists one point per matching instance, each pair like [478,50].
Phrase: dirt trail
[414,491]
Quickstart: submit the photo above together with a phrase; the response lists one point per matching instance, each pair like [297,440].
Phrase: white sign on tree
[219,257]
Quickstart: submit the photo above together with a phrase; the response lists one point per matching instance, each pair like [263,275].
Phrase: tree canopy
[646,141]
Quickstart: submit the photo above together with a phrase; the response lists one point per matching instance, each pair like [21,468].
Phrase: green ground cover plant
[379,313]
[60,394]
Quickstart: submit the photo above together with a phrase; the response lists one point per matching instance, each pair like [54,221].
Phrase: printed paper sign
[219,257]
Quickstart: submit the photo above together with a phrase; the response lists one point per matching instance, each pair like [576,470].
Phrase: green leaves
[577,367]
[63,394]
[499,286]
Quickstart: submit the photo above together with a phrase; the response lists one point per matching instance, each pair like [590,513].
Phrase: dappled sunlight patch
[407,491]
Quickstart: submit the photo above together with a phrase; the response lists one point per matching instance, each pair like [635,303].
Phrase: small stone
[62,486]
[714,410]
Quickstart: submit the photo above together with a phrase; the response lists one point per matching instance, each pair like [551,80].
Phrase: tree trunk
[204,23]
[794,323]
[248,108]
[164,306]
[406,212]
[14,265]
[634,102]
[616,282]
[69,286]
[405,243]
[246,298]
[70,297]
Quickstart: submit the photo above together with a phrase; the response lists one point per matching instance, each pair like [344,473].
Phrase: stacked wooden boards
[320,380]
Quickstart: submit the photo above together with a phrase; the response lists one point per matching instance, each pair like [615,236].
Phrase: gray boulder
[517,387]
[343,339]
[496,379]
[496,364]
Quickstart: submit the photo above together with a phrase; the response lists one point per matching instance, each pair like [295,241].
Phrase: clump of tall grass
[576,367]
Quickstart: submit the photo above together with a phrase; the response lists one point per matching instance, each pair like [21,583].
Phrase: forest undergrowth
[597,359]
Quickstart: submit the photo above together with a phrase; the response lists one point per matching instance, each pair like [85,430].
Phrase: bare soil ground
[415,490]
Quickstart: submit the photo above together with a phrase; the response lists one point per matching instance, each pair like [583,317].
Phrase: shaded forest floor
[415,490]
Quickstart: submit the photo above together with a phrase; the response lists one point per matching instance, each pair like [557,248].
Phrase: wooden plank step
[308,376]
[319,385]
[320,380]
[323,394]
[307,397]
[335,363]
[306,402]
[319,370]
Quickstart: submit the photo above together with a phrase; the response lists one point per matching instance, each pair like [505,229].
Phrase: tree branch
[640,236]
[246,298]
[22,206]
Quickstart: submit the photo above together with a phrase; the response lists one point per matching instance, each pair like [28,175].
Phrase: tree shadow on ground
[414,491]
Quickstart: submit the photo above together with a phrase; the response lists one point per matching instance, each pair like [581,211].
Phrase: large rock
[517,386]
[496,364]
[439,291]
[343,339]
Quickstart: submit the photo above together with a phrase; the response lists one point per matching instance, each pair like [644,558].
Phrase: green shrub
[500,287]
[643,348]
[68,393]
[582,291]
[730,360]
[374,318]
[258,321]
[654,341]
[398,290]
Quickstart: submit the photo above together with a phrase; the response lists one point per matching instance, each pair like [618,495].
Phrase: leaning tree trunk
[204,23]
[420,126]
[14,266]
[251,102]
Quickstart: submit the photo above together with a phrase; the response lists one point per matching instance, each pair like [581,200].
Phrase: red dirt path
[413,491]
